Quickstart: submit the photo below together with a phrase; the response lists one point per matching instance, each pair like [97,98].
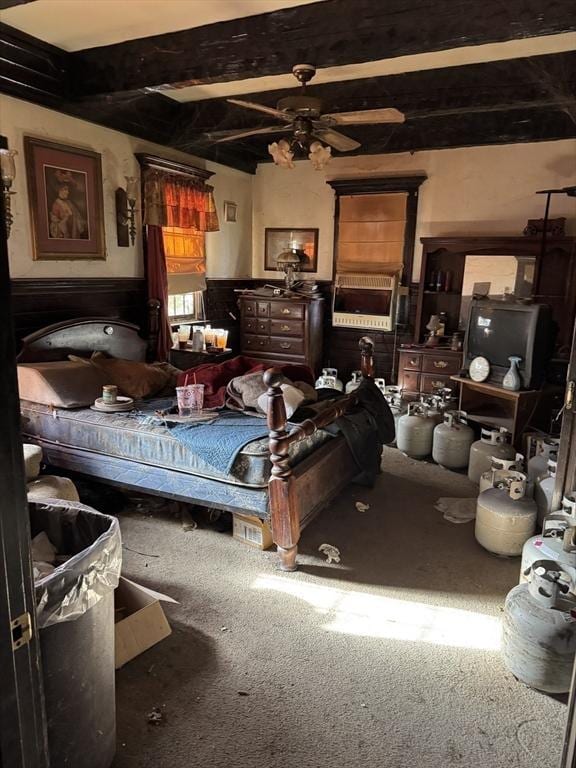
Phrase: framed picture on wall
[277,240]
[66,206]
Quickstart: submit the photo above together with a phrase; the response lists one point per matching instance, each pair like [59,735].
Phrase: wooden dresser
[423,370]
[283,329]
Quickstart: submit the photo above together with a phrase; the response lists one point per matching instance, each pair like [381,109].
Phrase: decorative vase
[512,378]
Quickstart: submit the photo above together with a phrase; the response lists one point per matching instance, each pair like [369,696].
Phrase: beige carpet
[388,659]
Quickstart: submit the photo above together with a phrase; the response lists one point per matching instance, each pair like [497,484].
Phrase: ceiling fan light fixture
[282,153]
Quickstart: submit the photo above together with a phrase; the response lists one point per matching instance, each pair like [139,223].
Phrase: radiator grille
[372,282]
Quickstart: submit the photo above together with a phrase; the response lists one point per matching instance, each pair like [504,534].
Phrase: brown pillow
[63,384]
[132,378]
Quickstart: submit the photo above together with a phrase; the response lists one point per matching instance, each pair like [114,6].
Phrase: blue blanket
[219,442]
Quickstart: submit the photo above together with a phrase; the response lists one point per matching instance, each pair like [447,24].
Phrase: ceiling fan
[303,118]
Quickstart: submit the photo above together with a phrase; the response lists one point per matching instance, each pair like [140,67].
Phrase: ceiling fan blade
[234,135]
[334,139]
[363,116]
[262,108]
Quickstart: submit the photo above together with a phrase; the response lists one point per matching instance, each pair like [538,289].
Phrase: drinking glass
[221,338]
[183,335]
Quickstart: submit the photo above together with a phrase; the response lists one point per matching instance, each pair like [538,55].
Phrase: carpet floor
[389,658]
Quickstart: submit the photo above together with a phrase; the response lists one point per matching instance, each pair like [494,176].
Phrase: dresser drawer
[286,309]
[256,325]
[286,328]
[248,308]
[432,382]
[256,343]
[441,364]
[286,346]
[262,308]
[409,381]
[410,361]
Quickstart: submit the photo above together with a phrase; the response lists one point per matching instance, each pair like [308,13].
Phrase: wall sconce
[126,211]
[7,174]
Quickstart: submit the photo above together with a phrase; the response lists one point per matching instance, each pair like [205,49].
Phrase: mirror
[495,276]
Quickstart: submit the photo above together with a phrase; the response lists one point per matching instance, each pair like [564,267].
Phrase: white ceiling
[77,24]
[512,49]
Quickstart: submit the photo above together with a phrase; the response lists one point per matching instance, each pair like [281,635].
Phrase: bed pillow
[132,378]
[62,384]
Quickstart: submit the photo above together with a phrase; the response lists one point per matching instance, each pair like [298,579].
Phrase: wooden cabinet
[282,329]
[424,370]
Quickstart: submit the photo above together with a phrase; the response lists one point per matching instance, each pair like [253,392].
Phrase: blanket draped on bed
[219,442]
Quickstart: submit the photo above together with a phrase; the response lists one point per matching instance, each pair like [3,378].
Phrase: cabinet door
[409,381]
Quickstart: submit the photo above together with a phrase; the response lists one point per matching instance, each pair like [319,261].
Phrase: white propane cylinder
[414,435]
[497,472]
[538,464]
[354,382]
[393,397]
[451,441]
[539,630]
[544,490]
[555,544]
[493,442]
[505,516]
[564,517]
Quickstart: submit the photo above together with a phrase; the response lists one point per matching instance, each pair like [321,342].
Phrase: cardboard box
[253,531]
[139,618]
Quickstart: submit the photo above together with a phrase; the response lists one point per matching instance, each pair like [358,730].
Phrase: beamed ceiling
[464,72]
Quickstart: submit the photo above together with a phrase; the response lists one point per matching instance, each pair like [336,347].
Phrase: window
[186,267]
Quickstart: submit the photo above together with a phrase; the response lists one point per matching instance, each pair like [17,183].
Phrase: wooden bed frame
[294,494]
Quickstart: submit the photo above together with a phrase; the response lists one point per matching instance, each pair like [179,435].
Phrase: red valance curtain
[172,200]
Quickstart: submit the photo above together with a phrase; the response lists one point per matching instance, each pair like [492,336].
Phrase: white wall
[229,251]
[469,191]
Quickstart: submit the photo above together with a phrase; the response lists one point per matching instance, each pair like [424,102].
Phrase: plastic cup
[183,335]
[221,338]
[190,398]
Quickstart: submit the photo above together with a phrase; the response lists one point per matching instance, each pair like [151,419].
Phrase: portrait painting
[65,191]
[277,240]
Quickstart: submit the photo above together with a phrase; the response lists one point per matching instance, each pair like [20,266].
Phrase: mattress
[136,438]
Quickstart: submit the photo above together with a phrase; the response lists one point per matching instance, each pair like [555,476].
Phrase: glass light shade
[7,165]
[319,155]
[282,154]
[132,185]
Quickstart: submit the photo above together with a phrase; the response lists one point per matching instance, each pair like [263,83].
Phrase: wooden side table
[495,407]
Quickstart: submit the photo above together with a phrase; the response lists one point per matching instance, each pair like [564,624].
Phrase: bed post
[284,512]
[367,351]
[153,328]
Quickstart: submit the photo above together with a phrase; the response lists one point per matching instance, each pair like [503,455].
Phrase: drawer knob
[440,364]
[261,343]
[438,384]
[413,362]
[286,311]
[285,345]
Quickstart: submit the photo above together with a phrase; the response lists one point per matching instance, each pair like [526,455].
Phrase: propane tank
[431,404]
[393,397]
[544,489]
[354,382]
[539,631]
[564,517]
[497,472]
[493,442]
[555,544]
[452,440]
[329,379]
[538,464]
[505,516]
[414,435]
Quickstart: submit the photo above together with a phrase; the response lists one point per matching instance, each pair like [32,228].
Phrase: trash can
[75,618]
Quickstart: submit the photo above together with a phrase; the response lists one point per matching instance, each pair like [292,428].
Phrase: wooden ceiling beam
[327,34]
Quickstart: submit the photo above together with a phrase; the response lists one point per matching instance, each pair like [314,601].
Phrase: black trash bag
[94,544]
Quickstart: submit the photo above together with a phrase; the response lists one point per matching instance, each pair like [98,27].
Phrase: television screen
[498,333]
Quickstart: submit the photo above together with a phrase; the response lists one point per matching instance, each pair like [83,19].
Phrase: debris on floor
[361,507]
[155,717]
[188,522]
[332,553]
[457,510]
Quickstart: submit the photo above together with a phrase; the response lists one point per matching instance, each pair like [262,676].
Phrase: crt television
[499,329]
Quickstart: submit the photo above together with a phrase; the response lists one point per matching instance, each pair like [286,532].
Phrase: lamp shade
[132,185]
[293,257]
[7,165]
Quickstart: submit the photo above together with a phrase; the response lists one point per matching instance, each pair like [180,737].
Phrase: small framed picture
[66,206]
[277,240]
[230,211]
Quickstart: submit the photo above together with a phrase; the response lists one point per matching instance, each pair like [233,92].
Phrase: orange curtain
[185,251]
[178,201]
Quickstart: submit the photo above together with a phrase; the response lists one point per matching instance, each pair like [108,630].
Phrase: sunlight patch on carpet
[362,614]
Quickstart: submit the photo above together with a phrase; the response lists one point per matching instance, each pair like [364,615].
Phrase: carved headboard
[81,337]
